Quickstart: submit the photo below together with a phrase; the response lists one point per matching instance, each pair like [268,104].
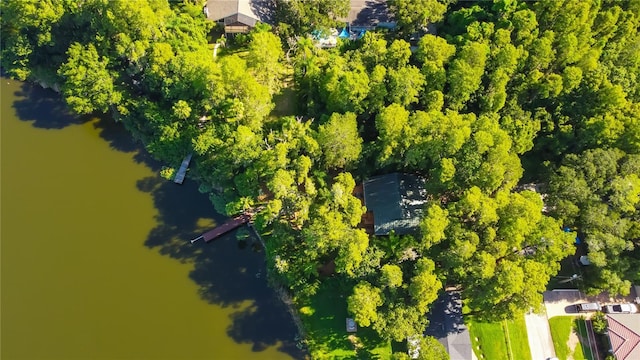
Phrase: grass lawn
[285,103]
[518,338]
[286,100]
[324,317]
[561,329]
[584,351]
[500,340]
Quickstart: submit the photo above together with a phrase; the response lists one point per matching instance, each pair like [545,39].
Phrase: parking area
[563,301]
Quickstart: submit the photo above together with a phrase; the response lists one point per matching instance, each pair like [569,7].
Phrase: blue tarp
[344,34]
[567,229]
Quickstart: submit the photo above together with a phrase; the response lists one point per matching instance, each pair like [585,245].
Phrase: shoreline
[280,291]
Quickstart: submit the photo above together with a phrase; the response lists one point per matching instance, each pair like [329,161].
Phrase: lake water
[96,261]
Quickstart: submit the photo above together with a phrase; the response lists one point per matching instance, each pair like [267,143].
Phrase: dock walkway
[182,172]
[224,228]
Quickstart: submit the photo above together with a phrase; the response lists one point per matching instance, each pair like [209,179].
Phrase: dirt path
[573,342]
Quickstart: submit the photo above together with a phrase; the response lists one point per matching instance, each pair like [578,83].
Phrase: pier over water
[232,224]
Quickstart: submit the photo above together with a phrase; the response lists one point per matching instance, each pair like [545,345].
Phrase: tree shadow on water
[265,326]
[119,139]
[229,273]
[44,108]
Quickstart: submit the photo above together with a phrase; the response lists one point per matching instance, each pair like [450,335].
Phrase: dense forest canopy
[503,93]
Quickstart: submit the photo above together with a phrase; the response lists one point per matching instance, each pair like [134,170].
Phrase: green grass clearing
[561,329]
[285,103]
[500,340]
[324,317]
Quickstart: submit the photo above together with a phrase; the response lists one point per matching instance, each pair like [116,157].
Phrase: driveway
[562,302]
[539,335]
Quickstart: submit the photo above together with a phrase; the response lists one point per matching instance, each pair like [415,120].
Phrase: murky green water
[95,256]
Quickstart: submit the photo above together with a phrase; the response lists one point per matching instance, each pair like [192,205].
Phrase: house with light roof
[238,16]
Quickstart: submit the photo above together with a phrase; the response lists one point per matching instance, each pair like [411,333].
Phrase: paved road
[539,336]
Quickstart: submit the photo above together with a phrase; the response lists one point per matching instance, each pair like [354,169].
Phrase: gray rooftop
[242,10]
[396,201]
[446,325]
[362,13]
[368,13]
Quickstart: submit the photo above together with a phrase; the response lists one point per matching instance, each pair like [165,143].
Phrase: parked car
[621,308]
[587,307]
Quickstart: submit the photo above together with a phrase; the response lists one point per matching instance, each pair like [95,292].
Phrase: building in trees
[396,201]
[446,325]
[369,14]
[237,16]
[624,335]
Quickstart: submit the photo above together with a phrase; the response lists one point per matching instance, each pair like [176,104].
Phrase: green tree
[596,191]
[344,87]
[433,225]
[88,85]
[599,322]
[392,124]
[398,54]
[363,303]
[432,349]
[399,321]
[254,100]
[415,15]
[304,16]
[26,27]
[264,58]
[465,73]
[339,139]
[391,276]
[181,110]
[352,252]
[434,53]
[405,85]
[424,286]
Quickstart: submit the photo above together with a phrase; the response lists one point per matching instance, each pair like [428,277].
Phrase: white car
[621,309]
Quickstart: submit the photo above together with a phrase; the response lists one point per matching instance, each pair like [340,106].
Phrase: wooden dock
[182,172]
[232,224]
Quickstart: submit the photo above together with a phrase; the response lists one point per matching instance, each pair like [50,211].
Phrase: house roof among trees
[446,324]
[396,200]
[369,13]
[240,19]
[232,11]
[624,333]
